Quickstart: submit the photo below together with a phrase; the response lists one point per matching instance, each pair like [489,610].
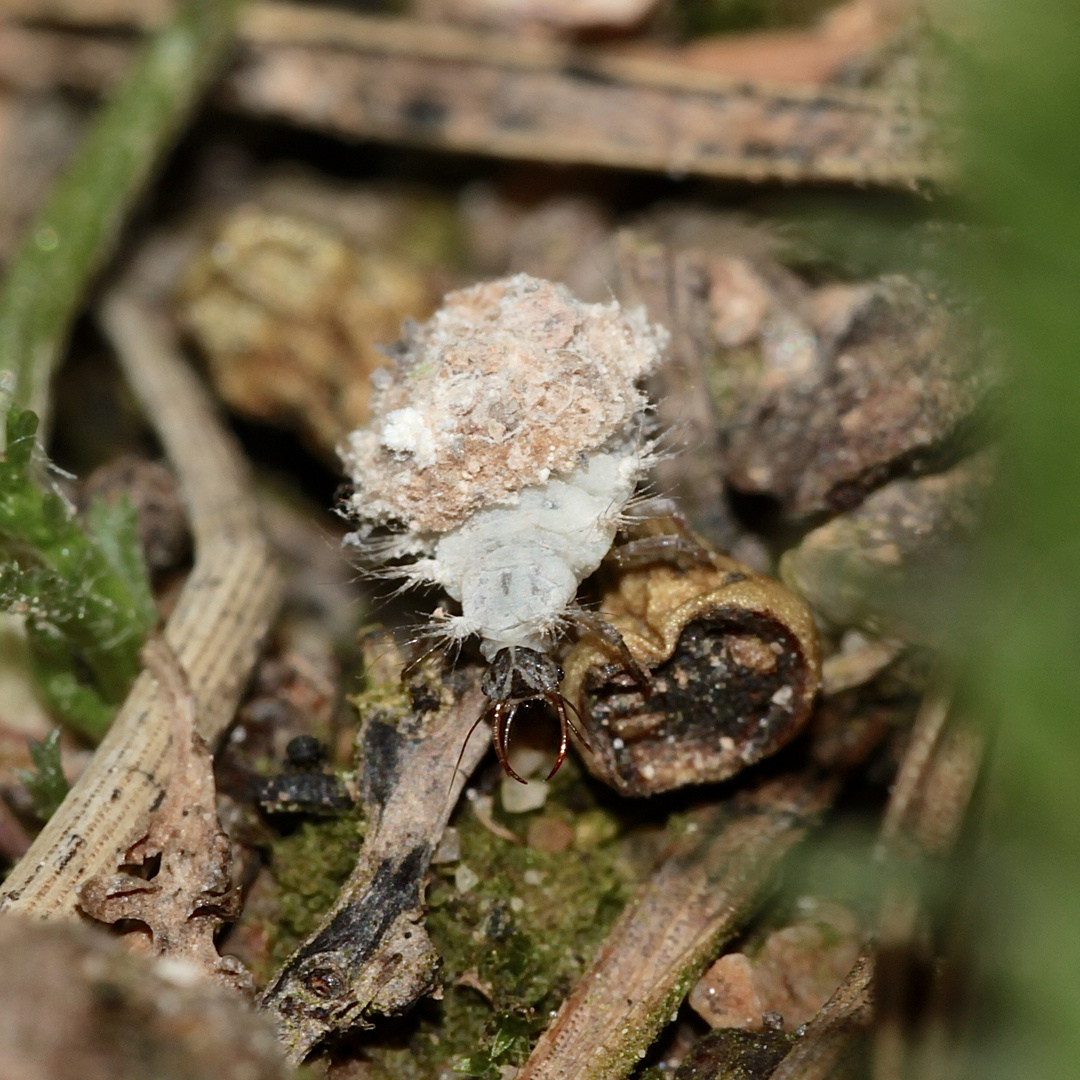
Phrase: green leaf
[78,704]
[509,1040]
[46,782]
[115,527]
[84,592]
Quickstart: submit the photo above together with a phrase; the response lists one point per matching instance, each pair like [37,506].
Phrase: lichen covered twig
[695,901]
[371,953]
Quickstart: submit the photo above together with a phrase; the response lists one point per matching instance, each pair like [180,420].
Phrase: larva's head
[518,675]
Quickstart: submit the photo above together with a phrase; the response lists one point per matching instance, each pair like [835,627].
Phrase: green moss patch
[516,927]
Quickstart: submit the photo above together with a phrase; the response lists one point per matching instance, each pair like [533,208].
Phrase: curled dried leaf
[735,666]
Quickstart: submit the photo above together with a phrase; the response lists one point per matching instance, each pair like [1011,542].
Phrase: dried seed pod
[735,663]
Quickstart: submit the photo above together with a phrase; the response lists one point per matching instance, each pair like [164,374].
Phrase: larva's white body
[516,569]
[505,443]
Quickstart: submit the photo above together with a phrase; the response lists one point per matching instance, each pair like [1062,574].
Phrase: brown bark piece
[862,568]
[583,111]
[191,892]
[453,89]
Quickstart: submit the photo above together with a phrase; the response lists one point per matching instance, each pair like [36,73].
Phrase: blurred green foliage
[1023,115]
[80,223]
[82,587]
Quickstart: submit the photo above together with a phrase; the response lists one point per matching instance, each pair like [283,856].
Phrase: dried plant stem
[77,230]
[922,818]
[657,950]
[674,287]
[925,736]
[223,613]
[460,89]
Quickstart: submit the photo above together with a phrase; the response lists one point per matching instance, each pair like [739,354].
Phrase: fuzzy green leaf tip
[81,587]
[46,781]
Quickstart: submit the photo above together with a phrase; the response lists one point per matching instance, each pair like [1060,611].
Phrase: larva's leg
[653,507]
[502,716]
[665,547]
[461,753]
[598,625]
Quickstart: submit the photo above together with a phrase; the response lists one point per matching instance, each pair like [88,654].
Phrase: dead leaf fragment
[189,893]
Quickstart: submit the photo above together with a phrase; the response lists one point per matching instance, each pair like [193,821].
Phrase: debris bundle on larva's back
[504,447]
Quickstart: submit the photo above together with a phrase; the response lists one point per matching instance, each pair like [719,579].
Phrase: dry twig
[371,953]
[829,1036]
[663,941]
[222,615]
